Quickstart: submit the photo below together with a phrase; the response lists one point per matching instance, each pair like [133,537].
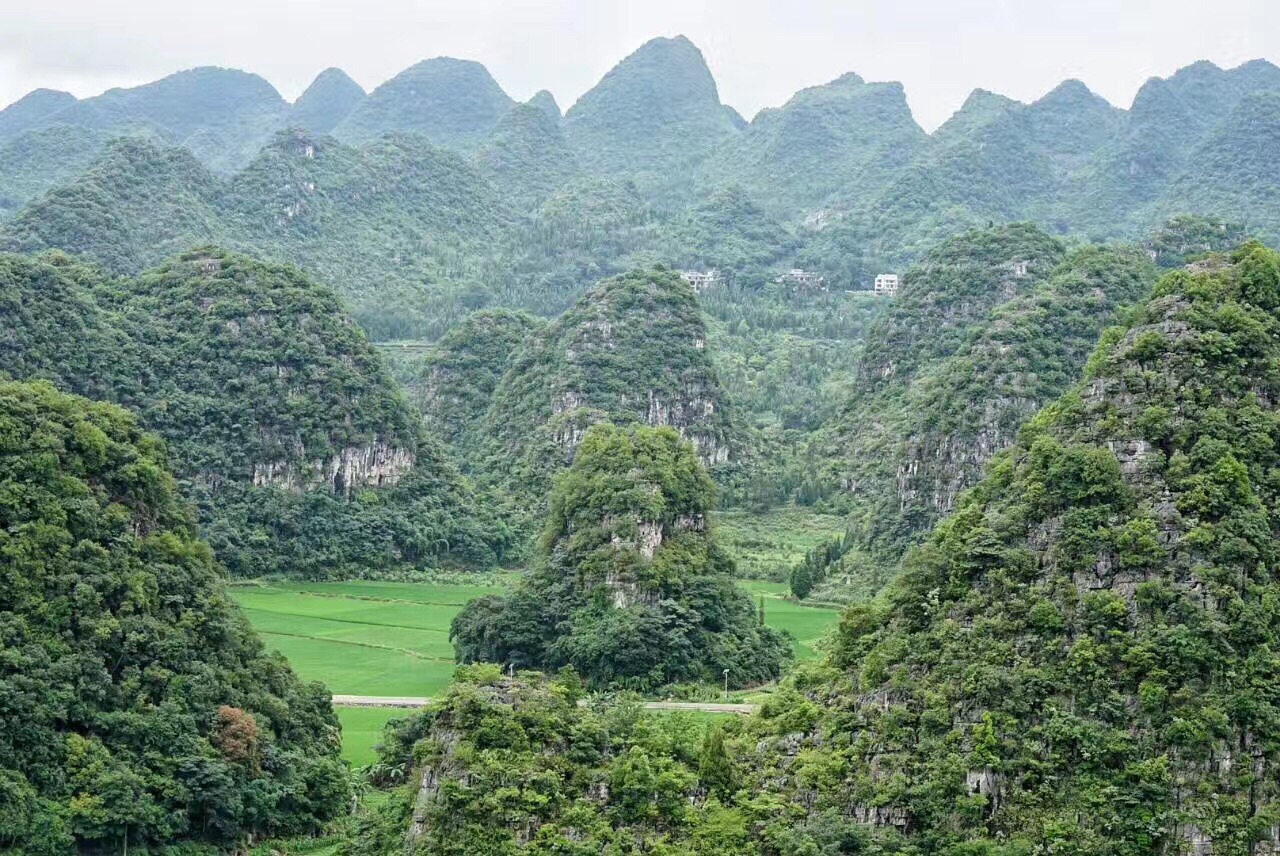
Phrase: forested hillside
[630,587]
[632,350]
[445,195]
[439,377]
[137,706]
[1079,658]
[282,421]
[987,329]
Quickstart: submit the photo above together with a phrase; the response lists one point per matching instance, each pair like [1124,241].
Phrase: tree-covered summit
[630,587]
[326,102]
[283,424]
[632,350]
[1082,656]
[136,705]
[452,102]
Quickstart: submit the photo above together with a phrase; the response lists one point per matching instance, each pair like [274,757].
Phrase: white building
[803,278]
[701,280]
[886,285]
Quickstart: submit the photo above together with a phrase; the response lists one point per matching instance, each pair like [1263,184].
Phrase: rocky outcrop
[631,351]
[986,331]
[348,470]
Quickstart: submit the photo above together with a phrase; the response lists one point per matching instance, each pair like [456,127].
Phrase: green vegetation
[41,159]
[362,638]
[362,729]
[221,115]
[766,545]
[844,134]
[528,210]
[1106,592]
[527,156]
[632,350]
[1073,660]
[530,770]
[1070,654]
[452,102]
[282,422]
[138,707]
[988,328]
[327,101]
[28,111]
[653,117]
[630,588]
[455,385]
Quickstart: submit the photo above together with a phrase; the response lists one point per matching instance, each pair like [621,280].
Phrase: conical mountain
[1071,123]
[137,203]
[40,159]
[632,349]
[1169,119]
[326,102]
[459,376]
[453,102]
[981,108]
[526,156]
[546,102]
[997,160]
[31,109]
[1083,656]
[985,332]
[630,588]
[275,409]
[1235,169]
[847,134]
[654,116]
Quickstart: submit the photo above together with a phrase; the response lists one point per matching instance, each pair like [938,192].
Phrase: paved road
[417,701]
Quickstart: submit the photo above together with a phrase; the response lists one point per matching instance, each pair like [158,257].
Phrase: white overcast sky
[760,51]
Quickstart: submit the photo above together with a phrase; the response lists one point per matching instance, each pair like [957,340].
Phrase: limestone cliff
[1074,660]
[986,330]
[632,350]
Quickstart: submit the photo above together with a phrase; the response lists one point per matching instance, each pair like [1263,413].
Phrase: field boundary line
[408,652]
[343,620]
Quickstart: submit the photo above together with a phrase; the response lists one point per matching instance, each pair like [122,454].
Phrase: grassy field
[362,729]
[766,546]
[392,639]
[362,638]
[808,624]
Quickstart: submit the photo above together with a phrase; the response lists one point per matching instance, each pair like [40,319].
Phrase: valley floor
[385,639]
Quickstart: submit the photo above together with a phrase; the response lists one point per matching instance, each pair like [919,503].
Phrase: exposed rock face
[987,330]
[632,350]
[624,589]
[1039,618]
[348,470]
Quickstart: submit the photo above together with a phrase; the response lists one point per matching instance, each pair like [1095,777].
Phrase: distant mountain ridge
[525,208]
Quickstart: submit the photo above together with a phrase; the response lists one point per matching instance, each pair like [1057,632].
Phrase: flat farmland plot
[808,624]
[362,638]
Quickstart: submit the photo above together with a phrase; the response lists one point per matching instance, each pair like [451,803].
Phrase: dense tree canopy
[136,706]
[630,588]
[283,424]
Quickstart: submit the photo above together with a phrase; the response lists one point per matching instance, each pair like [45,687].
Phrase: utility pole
[726,684]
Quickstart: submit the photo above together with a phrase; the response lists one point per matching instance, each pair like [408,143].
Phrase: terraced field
[766,546]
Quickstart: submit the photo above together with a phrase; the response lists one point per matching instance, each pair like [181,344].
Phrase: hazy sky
[760,51]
